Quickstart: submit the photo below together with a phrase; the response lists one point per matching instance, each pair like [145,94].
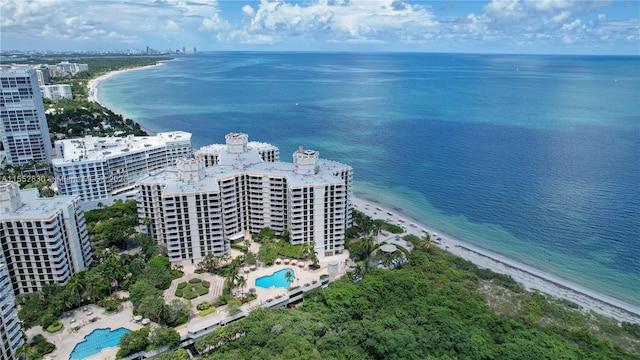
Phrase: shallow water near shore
[532,157]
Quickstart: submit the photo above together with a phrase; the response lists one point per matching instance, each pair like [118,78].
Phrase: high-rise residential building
[44,240]
[56,92]
[197,209]
[23,125]
[11,336]
[96,168]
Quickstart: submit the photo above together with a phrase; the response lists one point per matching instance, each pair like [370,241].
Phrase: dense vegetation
[427,310]
[146,339]
[112,226]
[435,306]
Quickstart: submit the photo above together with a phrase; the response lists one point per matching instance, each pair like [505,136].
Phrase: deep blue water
[533,157]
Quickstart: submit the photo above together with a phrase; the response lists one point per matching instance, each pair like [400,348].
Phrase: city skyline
[499,26]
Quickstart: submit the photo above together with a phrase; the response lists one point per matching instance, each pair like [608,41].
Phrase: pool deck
[66,339]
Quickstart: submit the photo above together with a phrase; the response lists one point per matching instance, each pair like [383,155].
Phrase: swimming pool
[277,279]
[97,340]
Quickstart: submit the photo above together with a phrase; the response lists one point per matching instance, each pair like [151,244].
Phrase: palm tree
[24,351]
[162,311]
[368,243]
[76,286]
[376,228]
[313,256]
[241,282]
[306,250]
[289,277]
[231,280]
[147,222]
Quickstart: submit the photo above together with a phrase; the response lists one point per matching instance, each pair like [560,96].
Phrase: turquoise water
[536,158]
[277,279]
[96,341]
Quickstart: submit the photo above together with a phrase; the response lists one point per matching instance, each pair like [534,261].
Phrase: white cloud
[514,24]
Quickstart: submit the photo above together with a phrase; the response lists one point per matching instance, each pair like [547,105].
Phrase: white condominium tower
[96,168]
[44,240]
[23,125]
[198,210]
[10,331]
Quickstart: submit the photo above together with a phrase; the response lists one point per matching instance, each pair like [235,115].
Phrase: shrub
[203,305]
[324,276]
[205,284]
[223,299]
[57,325]
[179,292]
[203,291]
[195,281]
[394,229]
[190,296]
[48,320]
[208,311]
[182,285]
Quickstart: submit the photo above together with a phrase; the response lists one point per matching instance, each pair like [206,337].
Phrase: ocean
[533,157]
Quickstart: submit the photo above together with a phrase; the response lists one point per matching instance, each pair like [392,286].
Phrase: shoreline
[93,86]
[530,277]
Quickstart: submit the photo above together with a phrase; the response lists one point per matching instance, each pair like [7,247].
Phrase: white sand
[93,86]
[528,276]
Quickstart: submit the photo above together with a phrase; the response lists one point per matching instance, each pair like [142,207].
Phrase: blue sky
[498,26]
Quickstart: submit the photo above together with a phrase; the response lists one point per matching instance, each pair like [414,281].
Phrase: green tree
[233,306]
[132,342]
[241,282]
[289,277]
[142,289]
[77,286]
[24,351]
[368,244]
[163,336]
[162,311]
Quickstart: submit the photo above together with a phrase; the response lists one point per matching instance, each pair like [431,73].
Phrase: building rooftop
[29,205]
[99,148]
[243,163]
[251,146]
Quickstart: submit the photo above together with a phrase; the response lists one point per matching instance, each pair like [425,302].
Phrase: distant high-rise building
[56,92]
[44,240]
[44,75]
[10,331]
[23,125]
[195,51]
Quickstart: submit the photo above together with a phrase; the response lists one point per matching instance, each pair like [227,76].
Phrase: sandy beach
[529,277]
[94,87]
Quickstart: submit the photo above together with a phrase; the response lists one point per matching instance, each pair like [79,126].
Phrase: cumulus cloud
[515,24]
[339,21]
